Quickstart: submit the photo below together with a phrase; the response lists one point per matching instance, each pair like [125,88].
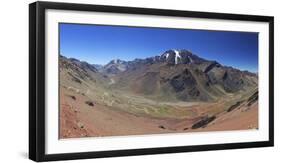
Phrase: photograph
[127,80]
[115,80]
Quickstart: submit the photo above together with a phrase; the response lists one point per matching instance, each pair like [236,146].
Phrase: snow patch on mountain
[177,56]
[167,55]
[190,59]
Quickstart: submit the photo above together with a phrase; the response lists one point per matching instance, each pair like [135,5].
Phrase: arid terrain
[171,93]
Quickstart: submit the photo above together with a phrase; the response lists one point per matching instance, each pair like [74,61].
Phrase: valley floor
[81,116]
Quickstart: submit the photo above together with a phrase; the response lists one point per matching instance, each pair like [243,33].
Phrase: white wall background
[14,79]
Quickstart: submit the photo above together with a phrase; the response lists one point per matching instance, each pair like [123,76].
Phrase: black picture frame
[37,80]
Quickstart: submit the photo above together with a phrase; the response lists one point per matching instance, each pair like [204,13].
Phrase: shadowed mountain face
[174,75]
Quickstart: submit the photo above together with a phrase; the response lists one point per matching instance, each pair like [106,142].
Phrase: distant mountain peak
[115,66]
[116,61]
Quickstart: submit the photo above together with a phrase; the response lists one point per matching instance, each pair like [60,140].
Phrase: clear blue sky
[99,44]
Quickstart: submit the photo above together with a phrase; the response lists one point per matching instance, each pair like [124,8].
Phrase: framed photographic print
[118,81]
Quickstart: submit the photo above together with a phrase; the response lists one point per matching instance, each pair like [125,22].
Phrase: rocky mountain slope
[80,75]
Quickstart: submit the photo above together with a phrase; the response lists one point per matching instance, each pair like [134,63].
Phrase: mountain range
[173,75]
